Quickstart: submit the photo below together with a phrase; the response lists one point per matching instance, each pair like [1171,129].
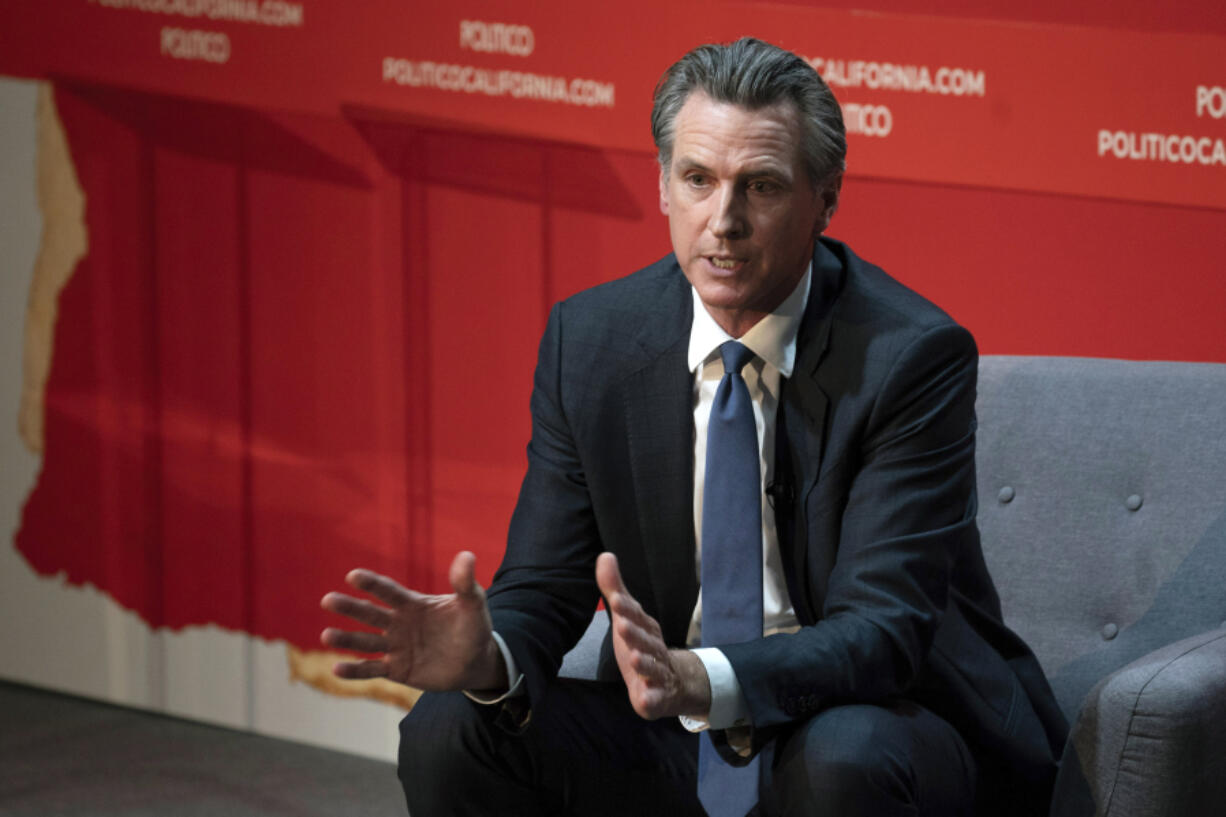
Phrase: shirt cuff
[514,676]
[728,707]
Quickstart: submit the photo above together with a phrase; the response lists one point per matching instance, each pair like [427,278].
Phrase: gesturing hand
[429,642]
[661,682]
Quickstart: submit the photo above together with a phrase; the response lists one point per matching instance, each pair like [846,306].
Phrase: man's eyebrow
[687,163]
[770,170]
[774,173]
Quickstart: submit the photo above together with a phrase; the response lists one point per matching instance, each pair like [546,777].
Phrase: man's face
[742,212]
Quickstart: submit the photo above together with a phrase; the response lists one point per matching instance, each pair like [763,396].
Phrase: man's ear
[664,190]
[830,200]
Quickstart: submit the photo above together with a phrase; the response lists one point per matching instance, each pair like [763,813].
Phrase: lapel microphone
[779,492]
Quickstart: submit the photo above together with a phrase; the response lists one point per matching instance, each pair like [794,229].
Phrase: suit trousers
[584,751]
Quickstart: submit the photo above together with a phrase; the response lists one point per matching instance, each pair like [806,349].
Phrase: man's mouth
[724,263]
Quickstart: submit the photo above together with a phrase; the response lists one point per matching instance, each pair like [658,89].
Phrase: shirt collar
[773,338]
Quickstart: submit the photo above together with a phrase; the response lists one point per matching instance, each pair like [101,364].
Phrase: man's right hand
[429,642]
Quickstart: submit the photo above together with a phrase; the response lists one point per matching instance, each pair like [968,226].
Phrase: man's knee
[865,759]
[585,752]
[847,755]
[440,740]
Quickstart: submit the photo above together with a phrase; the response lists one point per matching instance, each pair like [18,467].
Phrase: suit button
[1006,495]
[1110,631]
[1133,502]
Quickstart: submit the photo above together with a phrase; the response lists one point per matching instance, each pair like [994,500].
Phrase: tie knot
[735,356]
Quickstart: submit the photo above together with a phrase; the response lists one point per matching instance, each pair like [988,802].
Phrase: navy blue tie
[731,562]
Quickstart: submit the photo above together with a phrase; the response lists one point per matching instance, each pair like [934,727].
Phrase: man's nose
[728,218]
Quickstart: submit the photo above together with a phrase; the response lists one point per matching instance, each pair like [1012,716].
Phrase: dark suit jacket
[876,515]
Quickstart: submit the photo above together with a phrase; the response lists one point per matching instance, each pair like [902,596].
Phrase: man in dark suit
[884,681]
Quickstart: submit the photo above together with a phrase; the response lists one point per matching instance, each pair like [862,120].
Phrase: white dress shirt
[773,342]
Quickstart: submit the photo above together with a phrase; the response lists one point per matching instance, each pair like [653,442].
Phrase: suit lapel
[801,428]
[660,430]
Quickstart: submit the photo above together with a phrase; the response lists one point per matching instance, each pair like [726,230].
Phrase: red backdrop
[303,336]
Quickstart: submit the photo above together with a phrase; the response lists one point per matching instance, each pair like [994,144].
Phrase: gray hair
[753,74]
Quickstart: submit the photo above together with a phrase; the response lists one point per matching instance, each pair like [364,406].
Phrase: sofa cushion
[1102,506]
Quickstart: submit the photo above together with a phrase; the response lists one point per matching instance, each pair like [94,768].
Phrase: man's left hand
[661,682]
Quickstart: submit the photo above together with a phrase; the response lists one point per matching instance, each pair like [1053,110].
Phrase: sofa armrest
[1151,737]
[582,661]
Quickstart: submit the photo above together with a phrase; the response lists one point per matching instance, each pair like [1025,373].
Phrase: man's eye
[696,179]
[762,186]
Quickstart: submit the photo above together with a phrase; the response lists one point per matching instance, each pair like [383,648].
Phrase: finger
[356,641]
[358,610]
[648,666]
[624,605]
[609,577]
[358,670]
[379,586]
[640,633]
[617,597]
[463,577]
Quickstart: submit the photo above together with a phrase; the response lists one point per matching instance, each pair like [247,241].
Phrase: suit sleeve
[544,593]
[902,510]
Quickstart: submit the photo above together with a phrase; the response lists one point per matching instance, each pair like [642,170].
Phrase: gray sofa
[1102,507]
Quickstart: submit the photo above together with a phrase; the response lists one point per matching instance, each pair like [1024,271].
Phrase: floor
[62,755]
